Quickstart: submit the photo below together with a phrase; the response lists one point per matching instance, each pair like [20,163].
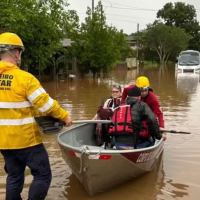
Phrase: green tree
[42,25]
[165,40]
[97,46]
[183,16]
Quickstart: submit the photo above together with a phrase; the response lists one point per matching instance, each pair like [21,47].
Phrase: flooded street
[177,175]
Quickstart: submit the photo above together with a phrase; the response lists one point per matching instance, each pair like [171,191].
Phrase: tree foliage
[183,16]
[165,40]
[97,46]
[42,25]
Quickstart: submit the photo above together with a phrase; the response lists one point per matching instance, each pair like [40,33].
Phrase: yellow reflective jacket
[21,99]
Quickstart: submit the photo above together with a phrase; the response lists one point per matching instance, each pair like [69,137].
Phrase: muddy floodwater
[177,174]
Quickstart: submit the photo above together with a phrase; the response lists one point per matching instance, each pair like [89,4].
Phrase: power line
[129,17]
[144,9]
[113,18]
[117,4]
[116,15]
[122,20]
[134,8]
[127,7]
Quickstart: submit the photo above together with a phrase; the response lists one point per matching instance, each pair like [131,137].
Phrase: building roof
[130,38]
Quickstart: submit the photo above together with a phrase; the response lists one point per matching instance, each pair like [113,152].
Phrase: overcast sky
[128,12]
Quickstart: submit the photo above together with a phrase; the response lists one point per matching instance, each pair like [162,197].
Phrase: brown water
[177,176]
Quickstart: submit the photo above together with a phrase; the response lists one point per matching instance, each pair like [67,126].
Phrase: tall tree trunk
[167,57]
[98,74]
[159,52]
[94,75]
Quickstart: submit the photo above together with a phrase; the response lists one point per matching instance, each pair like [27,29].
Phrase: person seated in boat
[105,111]
[134,124]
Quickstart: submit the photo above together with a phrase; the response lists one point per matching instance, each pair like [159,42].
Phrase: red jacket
[151,100]
[125,92]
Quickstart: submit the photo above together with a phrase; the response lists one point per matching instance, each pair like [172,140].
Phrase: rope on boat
[86,151]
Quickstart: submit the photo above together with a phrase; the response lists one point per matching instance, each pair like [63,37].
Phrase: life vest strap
[122,133]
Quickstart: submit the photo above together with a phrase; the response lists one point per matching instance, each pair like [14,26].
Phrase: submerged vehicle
[99,169]
[188,61]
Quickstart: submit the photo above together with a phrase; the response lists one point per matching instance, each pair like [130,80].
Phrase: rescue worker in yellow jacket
[21,99]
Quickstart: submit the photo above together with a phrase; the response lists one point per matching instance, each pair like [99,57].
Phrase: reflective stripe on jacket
[21,99]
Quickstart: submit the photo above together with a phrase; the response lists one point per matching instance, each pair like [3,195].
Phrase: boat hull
[100,169]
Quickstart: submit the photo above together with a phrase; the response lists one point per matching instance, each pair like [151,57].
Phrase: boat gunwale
[104,151]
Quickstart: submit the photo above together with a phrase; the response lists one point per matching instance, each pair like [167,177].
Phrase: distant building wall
[131,63]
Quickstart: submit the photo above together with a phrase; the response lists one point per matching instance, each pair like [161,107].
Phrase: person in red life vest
[148,96]
[134,124]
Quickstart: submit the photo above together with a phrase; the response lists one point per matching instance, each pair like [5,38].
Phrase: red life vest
[123,124]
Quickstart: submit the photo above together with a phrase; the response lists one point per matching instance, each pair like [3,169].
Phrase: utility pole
[92,7]
[137,44]
[101,12]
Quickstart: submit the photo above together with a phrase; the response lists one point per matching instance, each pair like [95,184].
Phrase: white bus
[188,61]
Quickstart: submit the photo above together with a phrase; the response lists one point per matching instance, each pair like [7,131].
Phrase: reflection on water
[187,82]
[177,175]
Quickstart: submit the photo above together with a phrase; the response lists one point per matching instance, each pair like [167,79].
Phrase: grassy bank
[151,64]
